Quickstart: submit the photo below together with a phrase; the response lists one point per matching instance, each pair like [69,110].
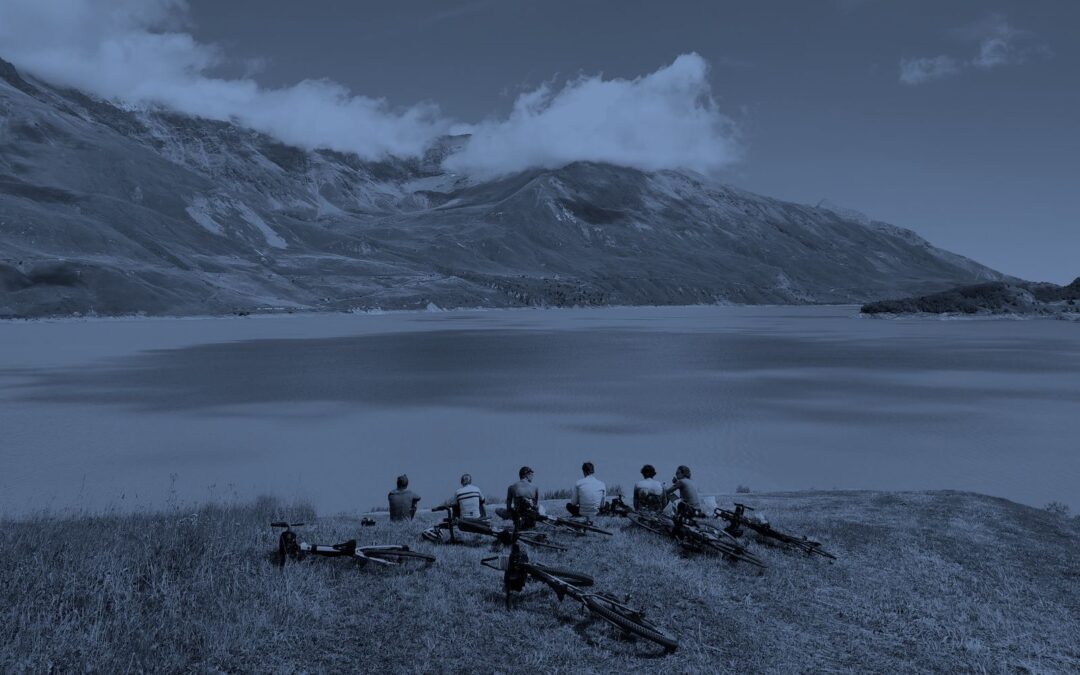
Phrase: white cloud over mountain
[139,52]
[665,119]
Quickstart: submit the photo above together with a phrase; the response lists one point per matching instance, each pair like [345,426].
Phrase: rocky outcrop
[1017,298]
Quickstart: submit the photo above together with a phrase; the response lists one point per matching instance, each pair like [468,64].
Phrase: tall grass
[925,582]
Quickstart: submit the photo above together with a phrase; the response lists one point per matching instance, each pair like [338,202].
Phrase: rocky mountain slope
[1015,298]
[111,211]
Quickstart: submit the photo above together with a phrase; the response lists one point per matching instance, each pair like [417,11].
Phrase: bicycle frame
[738,520]
[291,547]
[451,523]
[517,570]
[577,527]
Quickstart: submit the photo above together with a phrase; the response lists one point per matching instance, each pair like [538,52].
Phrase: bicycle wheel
[569,576]
[734,552]
[585,527]
[822,552]
[539,542]
[400,556]
[630,621]
[649,523]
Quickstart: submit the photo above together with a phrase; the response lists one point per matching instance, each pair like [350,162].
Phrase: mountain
[106,210]
[1013,298]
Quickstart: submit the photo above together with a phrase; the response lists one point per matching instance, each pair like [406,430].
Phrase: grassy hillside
[925,582]
[991,298]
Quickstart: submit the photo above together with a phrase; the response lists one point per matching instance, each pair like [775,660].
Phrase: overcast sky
[960,120]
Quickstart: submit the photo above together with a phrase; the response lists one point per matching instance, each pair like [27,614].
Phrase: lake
[135,413]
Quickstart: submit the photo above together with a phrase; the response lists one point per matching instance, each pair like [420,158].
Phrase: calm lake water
[128,414]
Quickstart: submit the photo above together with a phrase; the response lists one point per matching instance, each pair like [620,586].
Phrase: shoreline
[310,313]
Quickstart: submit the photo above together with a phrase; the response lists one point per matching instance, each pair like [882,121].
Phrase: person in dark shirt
[522,500]
[402,500]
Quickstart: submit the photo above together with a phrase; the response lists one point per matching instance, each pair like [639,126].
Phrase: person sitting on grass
[468,501]
[402,500]
[689,499]
[588,495]
[522,500]
[648,492]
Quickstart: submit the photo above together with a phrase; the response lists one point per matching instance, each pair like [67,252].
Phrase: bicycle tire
[822,552]
[636,624]
[649,523]
[735,553]
[569,576]
[401,557]
[586,527]
[540,543]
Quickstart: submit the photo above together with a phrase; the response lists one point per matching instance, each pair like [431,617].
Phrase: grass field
[925,582]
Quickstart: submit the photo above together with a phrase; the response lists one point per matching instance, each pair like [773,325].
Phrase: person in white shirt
[648,492]
[588,495]
[468,501]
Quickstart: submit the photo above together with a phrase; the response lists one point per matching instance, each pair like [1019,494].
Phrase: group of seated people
[586,499]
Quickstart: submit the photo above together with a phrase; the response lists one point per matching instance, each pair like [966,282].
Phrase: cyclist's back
[649,492]
[687,489]
[648,495]
[402,501]
[522,500]
[469,500]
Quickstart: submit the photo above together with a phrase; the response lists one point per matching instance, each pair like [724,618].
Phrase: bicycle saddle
[347,547]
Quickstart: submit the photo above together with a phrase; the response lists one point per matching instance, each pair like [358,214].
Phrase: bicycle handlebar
[282,523]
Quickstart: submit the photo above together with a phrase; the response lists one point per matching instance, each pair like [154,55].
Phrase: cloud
[139,52]
[997,43]
[136,51]
[667,119]
[927,68]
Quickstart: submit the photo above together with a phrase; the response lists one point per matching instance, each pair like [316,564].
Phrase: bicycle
[737,521]
[615,508]
[517,570]
[481,526]
[526,514]
[579,527]
[694,536]
[391,555]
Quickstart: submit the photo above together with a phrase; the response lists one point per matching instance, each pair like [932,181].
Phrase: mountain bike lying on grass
[517,570]
[575,525]
[738,520]
[481,526]
[694,536]
[526,516]
[386,554]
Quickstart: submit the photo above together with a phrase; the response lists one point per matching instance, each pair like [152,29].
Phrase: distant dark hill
[105,210]
[990,298]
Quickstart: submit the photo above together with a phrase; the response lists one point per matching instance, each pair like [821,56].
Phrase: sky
[959,120]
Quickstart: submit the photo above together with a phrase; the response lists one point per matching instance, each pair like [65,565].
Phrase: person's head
[465,479]
[525,473]
[682,472]
[648,471]
[587,468]
[402,482]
